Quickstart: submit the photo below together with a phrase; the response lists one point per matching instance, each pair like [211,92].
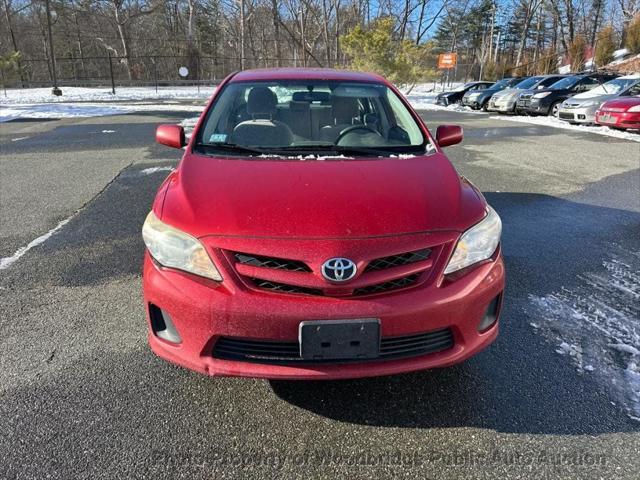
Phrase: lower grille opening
[281,353]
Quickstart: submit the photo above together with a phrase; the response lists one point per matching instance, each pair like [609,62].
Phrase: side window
[633,91]
[587,84]
[482,86]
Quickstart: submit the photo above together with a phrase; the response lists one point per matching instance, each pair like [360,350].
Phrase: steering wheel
[353,128]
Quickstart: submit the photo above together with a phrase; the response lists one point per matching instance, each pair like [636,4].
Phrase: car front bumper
[618,119]
[203,311]
[502,106]
[471,102]
[585,115]
[535,107]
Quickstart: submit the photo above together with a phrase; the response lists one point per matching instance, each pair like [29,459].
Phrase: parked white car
[582,108]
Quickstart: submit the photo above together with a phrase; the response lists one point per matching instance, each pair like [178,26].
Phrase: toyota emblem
[339,269]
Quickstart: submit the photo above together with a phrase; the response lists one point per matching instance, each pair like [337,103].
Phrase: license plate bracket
[339,339]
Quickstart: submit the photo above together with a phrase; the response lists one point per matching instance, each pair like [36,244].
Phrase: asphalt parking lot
[83,396]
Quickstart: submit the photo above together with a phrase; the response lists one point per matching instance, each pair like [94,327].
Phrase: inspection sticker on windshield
[218,138]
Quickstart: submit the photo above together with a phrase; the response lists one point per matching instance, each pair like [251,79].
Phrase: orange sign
[447,60]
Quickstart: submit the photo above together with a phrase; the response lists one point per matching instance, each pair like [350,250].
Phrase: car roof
[266,74]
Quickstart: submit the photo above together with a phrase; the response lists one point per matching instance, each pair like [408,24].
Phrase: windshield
[308,116]
[566,82]
[528,83]
[612,87]
[463,87]
[502,84]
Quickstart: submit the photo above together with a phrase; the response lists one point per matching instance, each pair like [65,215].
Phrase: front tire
[554,110]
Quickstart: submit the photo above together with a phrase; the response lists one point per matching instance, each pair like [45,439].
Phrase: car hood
[594,98]
[312,198]
[623,102]
[505,92]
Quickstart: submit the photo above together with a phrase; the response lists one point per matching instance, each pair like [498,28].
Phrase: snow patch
[189,124]
[151,170]
[597,325]
[81,110]
[108,131]
[17,96]
[555,123]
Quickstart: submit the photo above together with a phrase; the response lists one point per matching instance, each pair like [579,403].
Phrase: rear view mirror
[171,136]
[447,135]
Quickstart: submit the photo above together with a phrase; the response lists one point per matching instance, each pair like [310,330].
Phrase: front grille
[272,262]
[398,260]
[387,286]
[267,352]
[285,288]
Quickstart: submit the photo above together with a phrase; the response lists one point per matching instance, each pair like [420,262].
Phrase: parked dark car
[547,101]
[455,96]
[524,98]
[479,99]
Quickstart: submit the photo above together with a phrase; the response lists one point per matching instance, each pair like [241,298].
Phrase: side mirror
[171,136]
[447,135]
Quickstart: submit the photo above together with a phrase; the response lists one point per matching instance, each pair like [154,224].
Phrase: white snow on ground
[555,123]
[150,170]
[19,96]
[77,110]
[189,124]
[597,325]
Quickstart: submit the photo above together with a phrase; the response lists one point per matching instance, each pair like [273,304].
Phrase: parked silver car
[582,108]
[505,101]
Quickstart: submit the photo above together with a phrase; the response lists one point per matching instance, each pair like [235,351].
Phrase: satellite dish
[183,71]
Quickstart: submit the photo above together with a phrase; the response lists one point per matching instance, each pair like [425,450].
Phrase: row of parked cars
[586,98]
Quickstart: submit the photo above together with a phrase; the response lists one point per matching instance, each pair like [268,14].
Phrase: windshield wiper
[329,148]
[229,147]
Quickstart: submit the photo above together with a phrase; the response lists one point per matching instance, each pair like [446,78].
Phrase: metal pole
[113,83]
[55,90]
[155,72]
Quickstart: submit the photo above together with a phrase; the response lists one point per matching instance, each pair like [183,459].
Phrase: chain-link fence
[114,71]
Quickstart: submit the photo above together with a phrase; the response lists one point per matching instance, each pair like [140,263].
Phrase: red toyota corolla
[314,229]
[622,113]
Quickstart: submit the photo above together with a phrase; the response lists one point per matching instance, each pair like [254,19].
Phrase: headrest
[344,108]
[261,101]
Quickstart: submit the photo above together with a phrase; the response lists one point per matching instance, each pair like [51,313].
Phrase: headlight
[476,244]
[473,96]
[173,248]
[635,108]
[541,95]
[590,103]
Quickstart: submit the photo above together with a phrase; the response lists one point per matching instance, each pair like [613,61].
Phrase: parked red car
[314,229]
[622,113]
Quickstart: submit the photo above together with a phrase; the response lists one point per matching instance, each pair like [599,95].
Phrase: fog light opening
[581,117]
[162,325]
[490,315]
